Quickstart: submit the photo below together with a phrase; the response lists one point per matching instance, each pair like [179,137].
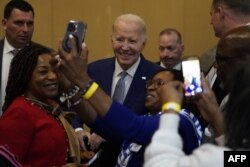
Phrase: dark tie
[119,93]
[14,52]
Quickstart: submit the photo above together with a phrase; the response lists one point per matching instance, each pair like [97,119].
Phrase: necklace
[55,111]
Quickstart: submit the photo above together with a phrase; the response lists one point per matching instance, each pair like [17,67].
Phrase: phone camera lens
[72,27]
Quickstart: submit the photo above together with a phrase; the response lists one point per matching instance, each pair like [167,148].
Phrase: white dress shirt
[6,60]
[176,67]
[129,77]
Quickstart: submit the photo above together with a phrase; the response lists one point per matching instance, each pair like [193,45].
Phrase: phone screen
[192,76]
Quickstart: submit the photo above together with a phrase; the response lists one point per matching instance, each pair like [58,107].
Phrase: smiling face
[43,84]
[128,42]
[153,102]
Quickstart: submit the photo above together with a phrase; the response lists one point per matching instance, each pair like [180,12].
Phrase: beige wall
[190,17]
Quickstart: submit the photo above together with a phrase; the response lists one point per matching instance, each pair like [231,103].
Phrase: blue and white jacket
[135,132]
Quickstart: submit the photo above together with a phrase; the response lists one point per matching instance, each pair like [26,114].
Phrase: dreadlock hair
[21,69]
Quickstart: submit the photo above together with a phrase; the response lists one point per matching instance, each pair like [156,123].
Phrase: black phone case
[77,29]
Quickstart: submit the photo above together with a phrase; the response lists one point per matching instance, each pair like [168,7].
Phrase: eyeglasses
[222,59]
[154,84]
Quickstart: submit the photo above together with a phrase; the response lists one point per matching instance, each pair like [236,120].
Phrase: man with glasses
[229,60]
[225,15]
[143,127]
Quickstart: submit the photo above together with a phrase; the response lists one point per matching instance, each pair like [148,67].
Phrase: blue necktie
[119,93]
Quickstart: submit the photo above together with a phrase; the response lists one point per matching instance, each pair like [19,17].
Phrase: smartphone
[95,158]
[78,30]
[192,75]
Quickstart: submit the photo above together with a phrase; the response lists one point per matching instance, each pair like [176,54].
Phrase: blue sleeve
[123,124]
[188,134]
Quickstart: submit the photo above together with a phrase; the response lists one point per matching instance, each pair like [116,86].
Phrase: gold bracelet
[171,105]
[92,89]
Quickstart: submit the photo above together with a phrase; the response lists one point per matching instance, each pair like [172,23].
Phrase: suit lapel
[137,86]
[108,78]
[103,74]
[1,60]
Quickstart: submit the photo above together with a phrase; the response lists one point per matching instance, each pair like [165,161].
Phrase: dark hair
[169,31]
[18,4]
[237,115]
[238,41]
[21,69]
[238,6]
[176,73]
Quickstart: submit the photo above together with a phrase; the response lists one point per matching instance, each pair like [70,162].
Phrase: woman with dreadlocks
[32,126]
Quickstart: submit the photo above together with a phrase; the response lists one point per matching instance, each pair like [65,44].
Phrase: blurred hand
[65,84]
[95,141]
[86,156]
[209,108]
[73,66]
[206,102]
[81,135]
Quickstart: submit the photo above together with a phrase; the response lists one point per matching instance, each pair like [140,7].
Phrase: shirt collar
[176,67]
[131,71]
[7,46]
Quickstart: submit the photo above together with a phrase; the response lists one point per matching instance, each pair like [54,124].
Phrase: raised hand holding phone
[192,75]
[77,29]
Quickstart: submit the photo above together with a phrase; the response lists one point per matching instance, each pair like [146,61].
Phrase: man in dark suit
[170,48]
[225,16]
[18,24]
[128,41]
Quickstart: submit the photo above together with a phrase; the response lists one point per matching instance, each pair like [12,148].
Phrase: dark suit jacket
[1,58]
[207,60]
[102,72]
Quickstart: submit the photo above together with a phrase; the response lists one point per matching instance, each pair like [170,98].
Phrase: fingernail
[70,36]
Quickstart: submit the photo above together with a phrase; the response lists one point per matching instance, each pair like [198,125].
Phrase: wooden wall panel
[190,17]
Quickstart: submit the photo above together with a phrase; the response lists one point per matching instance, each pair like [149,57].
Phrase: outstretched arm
[96,101]
[74,67]
[166,144]
[209,108]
